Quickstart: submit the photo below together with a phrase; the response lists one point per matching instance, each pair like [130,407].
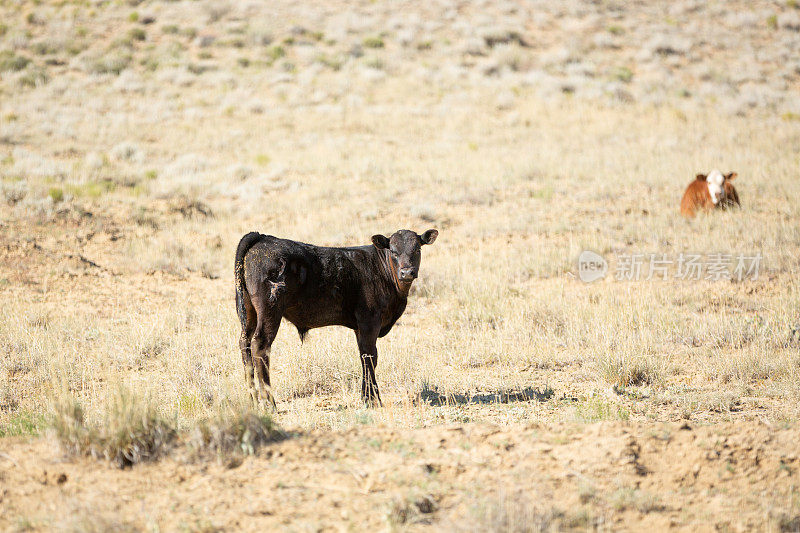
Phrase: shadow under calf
[433,397]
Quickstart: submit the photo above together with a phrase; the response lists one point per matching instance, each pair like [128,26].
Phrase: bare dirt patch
[610,475]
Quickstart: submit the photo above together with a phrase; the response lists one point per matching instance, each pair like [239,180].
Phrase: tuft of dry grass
[411,509]
[130,429]
[232,433]
[516,512]
[130,432]
[632,498]
[623,370]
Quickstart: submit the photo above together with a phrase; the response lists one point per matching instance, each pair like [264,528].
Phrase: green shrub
[772,22]
[93,189]
[12,62]
[334,63]
[56,193]
[22,423]
[34,77]
[150,63]
[373,42]
[44,48]
[113,63]
[375,62]
[623,74]
[276,52]
[137,34]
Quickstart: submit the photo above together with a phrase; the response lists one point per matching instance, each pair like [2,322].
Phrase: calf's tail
[245,244]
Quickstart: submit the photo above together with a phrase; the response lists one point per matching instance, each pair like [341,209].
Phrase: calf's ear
[731,176]
[429,236]
[380,241]
[701,177]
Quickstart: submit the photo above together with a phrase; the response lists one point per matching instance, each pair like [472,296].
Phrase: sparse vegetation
[276,52]
[772,22]
[114,62]
[596,409]
[137,34]
[43,48]
[139,141]
[373,42]
[56,194]
[131,430]
[334,63]
[513,513]
[22,423]
[375,62]
[632,498]
[33,77]
[92,189]
[12,62]
[413,508]
[623,370]
[233,433]
[623,74]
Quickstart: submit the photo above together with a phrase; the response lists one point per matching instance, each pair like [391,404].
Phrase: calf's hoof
[372,402]
[267,403]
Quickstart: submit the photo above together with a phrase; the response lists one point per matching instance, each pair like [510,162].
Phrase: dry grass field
[140,140]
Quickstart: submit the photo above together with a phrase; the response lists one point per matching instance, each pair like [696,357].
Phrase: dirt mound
[470,477]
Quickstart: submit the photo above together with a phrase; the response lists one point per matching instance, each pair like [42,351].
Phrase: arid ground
[140,140]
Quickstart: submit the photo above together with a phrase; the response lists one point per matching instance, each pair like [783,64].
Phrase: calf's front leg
[367,337]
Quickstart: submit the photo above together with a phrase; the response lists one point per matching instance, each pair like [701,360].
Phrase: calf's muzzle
[408,274]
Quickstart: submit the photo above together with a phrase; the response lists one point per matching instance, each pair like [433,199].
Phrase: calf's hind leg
[266,329]
[248,328]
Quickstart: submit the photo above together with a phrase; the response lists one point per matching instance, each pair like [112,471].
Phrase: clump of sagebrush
[624,370]
[512,513]
[413,508]
[12,62]
[131,430]
[231,432]
[114,62]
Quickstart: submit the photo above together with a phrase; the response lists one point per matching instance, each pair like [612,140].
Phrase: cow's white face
[715,181]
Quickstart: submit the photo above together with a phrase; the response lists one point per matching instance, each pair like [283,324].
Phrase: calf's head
[716,184]
[403,253]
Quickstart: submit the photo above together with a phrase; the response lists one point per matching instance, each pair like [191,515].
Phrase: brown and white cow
[714,191]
